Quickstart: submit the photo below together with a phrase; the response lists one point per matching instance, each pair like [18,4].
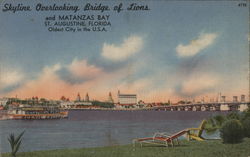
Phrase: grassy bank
[210,148]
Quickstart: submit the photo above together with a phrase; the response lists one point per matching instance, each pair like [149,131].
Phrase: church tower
[78,98]
[110,99]
[87,97]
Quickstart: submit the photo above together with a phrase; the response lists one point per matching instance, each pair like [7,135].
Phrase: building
[78,98]
[110,99]
[127,99]
[87,97]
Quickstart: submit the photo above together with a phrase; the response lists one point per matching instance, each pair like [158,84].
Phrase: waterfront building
[87,97]
[83,103]
[66,104]
[127,100]
[110,99]
[78,98]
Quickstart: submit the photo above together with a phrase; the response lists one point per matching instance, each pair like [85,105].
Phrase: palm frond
[18,137]
[17,147]
[15,143]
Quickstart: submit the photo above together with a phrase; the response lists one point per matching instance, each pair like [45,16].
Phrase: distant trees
[103,104]
[181,102]
[166,104]
[184,102]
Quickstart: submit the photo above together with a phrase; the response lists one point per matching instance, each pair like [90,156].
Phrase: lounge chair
[163,139]
[196,133]
[166,139]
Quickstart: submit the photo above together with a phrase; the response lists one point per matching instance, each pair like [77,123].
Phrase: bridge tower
[242,98]
[235,99]
[223,99]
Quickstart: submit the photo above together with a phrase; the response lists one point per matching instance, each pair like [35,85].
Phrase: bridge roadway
[213,106]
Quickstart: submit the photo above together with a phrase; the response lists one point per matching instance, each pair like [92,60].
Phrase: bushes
[233,126]
[232,131]
[236,127]
[246,127]
[233,115]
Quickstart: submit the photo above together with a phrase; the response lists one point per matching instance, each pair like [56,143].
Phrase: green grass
[209,148]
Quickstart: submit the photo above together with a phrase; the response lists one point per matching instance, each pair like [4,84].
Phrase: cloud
[51,70]
[198,84]
[47,85]
[196,45]
[81,69]
[130,46]
[10,78]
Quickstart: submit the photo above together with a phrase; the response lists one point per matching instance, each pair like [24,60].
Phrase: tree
[246,127]
[214,123]
[103,104]
[15,143]
[233,115]
[232,131]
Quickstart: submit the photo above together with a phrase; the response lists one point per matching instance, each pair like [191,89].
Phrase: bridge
[211,106]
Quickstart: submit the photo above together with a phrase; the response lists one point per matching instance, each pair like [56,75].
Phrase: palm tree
[214,123]
[15,143]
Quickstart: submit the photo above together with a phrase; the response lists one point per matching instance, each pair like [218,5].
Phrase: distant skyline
[177,50]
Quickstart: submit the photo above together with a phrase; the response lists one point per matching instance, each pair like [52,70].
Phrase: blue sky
[177,50]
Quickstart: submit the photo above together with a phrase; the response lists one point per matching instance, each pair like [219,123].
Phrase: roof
[127,95]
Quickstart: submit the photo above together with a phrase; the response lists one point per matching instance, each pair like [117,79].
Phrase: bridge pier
[194,108]
[186,108]
[224,107]
[203,108]
[212,108]
[243,107]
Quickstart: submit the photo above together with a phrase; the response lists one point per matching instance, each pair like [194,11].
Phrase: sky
[177,50]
